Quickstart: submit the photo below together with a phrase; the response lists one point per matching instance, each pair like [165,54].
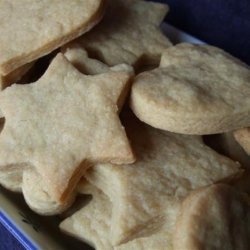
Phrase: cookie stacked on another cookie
[129,33]
[143,196]
[198,89]
[70,122]
[50,136]
[39,27]
[71,131]
[42,26]
[143,201]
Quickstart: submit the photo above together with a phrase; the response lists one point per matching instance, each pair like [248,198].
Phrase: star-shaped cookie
[168,167]
[35,192]
[92,225]
[129,33]
[89,66]
[62,124]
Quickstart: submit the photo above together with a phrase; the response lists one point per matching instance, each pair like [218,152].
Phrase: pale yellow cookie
[216,218]
[158,234]
[129,33]
[86,65]
[242,136]
[198,89]
[31,28]
[91,224]
[62,124]
[168,167]
[37,197]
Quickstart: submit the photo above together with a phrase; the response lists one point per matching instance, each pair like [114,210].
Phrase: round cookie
[198,89]
[217,217]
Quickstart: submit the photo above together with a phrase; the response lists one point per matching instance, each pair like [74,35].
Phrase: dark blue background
[224,23]
[7,241]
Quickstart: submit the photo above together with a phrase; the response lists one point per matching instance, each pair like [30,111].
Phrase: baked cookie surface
[168,167]
[126,36]
[217,217]
[198,89]
[53,125]
[38,27]
[92,224]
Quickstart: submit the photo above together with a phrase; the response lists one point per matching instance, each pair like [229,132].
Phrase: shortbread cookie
[37,196]
[62,124]
[242,136]
[159,233]
[198,89]
[31,29]
[86,65]
[129,33]
[92,225]
[217,217]
[168,167]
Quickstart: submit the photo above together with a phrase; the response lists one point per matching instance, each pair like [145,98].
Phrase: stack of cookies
[123,115]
